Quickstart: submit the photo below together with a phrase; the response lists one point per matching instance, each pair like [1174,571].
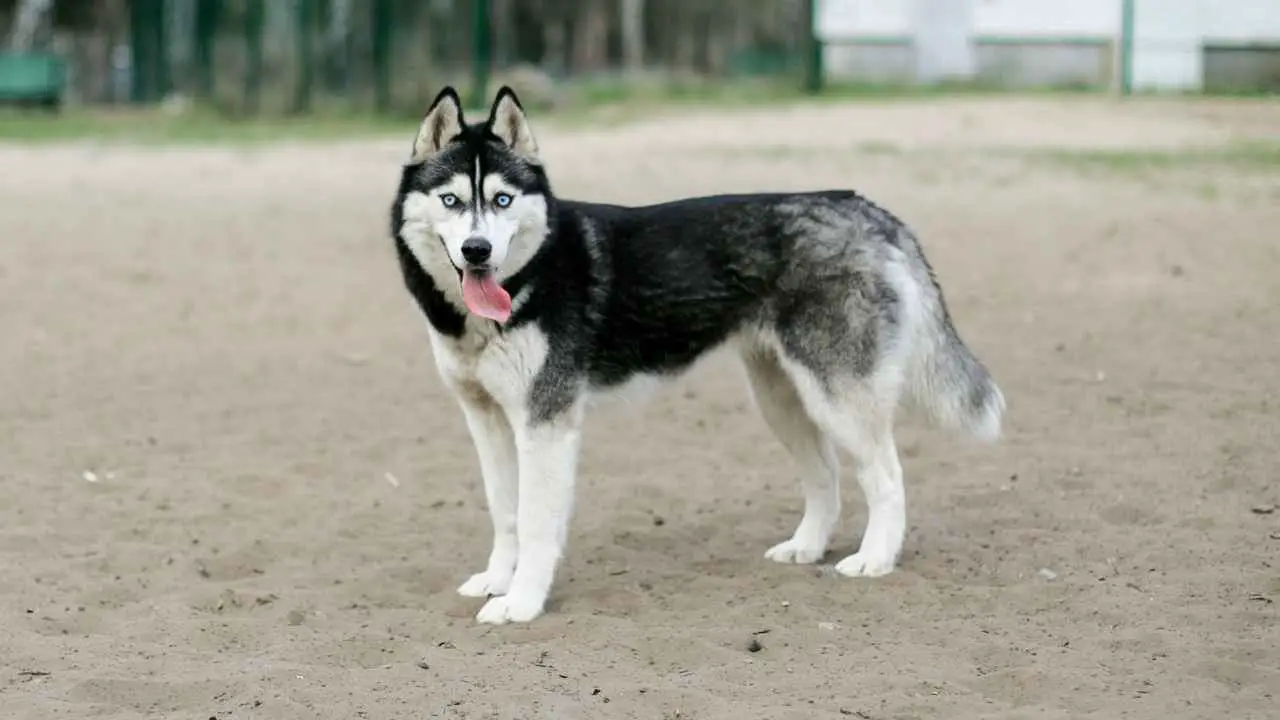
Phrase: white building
[1170,45]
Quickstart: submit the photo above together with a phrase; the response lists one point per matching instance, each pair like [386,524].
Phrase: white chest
[499,366]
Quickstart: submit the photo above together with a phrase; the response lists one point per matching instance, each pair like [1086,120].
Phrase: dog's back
[840,285]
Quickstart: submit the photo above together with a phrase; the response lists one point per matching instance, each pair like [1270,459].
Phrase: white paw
[864,564]
[793,551]
[485,584]
[509,608]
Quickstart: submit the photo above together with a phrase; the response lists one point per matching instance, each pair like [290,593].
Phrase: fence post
[254,22]
[1126,47]
[164,78]
[148,40]
[382,55]
[813,72]
[305,22]
[482,60]
[206,29]
[139,46]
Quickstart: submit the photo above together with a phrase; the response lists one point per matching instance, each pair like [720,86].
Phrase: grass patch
[603,100]
[779,90]
[1261,156]
[598,101]
[872,148]
[879,147]
[151,125]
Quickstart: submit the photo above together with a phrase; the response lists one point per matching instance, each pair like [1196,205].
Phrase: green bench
[37,79]
[762,62]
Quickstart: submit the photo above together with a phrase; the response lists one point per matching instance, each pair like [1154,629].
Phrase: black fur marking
[659,323]
[647,323]
[441,313]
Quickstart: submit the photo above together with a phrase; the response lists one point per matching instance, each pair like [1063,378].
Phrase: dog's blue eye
[502,199]
[449,199]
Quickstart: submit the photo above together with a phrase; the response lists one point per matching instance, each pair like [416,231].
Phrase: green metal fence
[256,57]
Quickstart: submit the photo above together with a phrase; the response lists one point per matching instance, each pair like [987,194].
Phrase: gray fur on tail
[957,389]
[944,377]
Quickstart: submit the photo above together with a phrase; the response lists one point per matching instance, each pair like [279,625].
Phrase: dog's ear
[507,120]
[442,123]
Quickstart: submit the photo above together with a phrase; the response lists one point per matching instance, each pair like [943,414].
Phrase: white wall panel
[1039,18]
[1169,35]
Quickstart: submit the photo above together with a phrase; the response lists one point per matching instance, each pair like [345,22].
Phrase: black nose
[476,250]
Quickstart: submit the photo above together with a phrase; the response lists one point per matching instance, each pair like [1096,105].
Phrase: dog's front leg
[548,452]
[496,447]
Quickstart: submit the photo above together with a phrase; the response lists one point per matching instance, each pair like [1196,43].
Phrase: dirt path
[233,487]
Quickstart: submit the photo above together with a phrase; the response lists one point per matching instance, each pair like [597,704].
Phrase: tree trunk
[590,36]
[553,39]
[633,35]
[27,23]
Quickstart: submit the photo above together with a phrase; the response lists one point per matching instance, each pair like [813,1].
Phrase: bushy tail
[947,380]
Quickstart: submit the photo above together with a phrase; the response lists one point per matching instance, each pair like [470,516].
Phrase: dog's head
[473,200]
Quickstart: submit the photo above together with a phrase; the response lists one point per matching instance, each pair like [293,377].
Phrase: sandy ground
[283,498]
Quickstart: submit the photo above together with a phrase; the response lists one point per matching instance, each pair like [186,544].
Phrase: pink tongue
[485,297]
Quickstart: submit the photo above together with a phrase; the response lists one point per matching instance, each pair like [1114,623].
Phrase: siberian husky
[533,303]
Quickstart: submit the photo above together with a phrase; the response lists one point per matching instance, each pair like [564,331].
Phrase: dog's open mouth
[484,296]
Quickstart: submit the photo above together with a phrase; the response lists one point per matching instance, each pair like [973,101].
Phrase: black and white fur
[827,298]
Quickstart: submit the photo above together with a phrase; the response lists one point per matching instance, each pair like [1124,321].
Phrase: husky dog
[533,304]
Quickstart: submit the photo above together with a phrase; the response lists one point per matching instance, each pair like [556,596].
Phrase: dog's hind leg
[783,411]
[869,438]
[858,414]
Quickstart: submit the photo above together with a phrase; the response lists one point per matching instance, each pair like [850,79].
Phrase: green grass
[870,148]
[596,101]
[152,126]
[1262,156]
[779,90]
[599,101]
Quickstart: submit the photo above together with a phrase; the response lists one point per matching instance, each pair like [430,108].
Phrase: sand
[232,485]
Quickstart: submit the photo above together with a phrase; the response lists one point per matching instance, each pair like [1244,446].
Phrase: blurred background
[273,57]
[232,484]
